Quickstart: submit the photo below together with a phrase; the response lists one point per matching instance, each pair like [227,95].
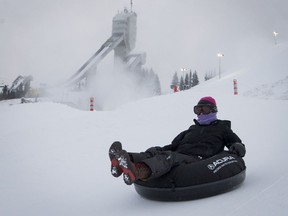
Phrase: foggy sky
[51,39]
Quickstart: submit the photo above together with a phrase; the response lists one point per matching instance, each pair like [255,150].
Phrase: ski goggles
[204,109]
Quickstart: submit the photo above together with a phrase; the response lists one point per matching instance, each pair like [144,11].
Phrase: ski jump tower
[122,41]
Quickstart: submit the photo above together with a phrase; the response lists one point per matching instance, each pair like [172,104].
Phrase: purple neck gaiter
[206,119]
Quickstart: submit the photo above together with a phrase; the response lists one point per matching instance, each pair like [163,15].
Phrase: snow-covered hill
[54,158]
[54,161]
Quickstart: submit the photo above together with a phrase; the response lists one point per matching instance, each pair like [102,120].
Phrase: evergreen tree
[181,87]
[157,85]
[5,92]
[175,81]
[190,79]
[186,82]
[20,91]
[195,80]
[151,82]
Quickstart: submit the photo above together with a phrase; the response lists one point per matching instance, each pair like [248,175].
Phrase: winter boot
[114,150]
[131,171]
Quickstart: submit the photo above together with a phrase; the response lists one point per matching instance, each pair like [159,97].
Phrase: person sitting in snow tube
[204,140]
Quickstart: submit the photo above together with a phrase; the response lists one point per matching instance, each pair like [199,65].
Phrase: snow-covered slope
[54,161]
[54,158]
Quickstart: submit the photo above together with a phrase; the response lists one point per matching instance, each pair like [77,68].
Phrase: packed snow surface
[54,158]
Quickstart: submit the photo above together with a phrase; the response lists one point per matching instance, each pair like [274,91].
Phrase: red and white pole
[91,103]
[175,88]
[235,87]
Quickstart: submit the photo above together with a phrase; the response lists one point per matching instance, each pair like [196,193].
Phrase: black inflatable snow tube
[218,174]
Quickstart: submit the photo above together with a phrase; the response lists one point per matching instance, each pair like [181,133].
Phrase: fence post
[91,103]
[235,87]
[175,88]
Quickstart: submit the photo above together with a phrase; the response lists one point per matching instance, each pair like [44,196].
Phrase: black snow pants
[161,162]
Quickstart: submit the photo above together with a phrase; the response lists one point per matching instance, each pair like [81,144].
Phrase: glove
[154,150]
[238,149]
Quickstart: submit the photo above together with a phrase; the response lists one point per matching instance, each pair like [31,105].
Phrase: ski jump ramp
[122,42]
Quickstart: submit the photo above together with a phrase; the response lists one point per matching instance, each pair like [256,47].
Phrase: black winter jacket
[204,140]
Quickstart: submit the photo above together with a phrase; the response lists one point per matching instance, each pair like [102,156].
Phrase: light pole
[220,55]
[275,36]
[182,78]
[183,70]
